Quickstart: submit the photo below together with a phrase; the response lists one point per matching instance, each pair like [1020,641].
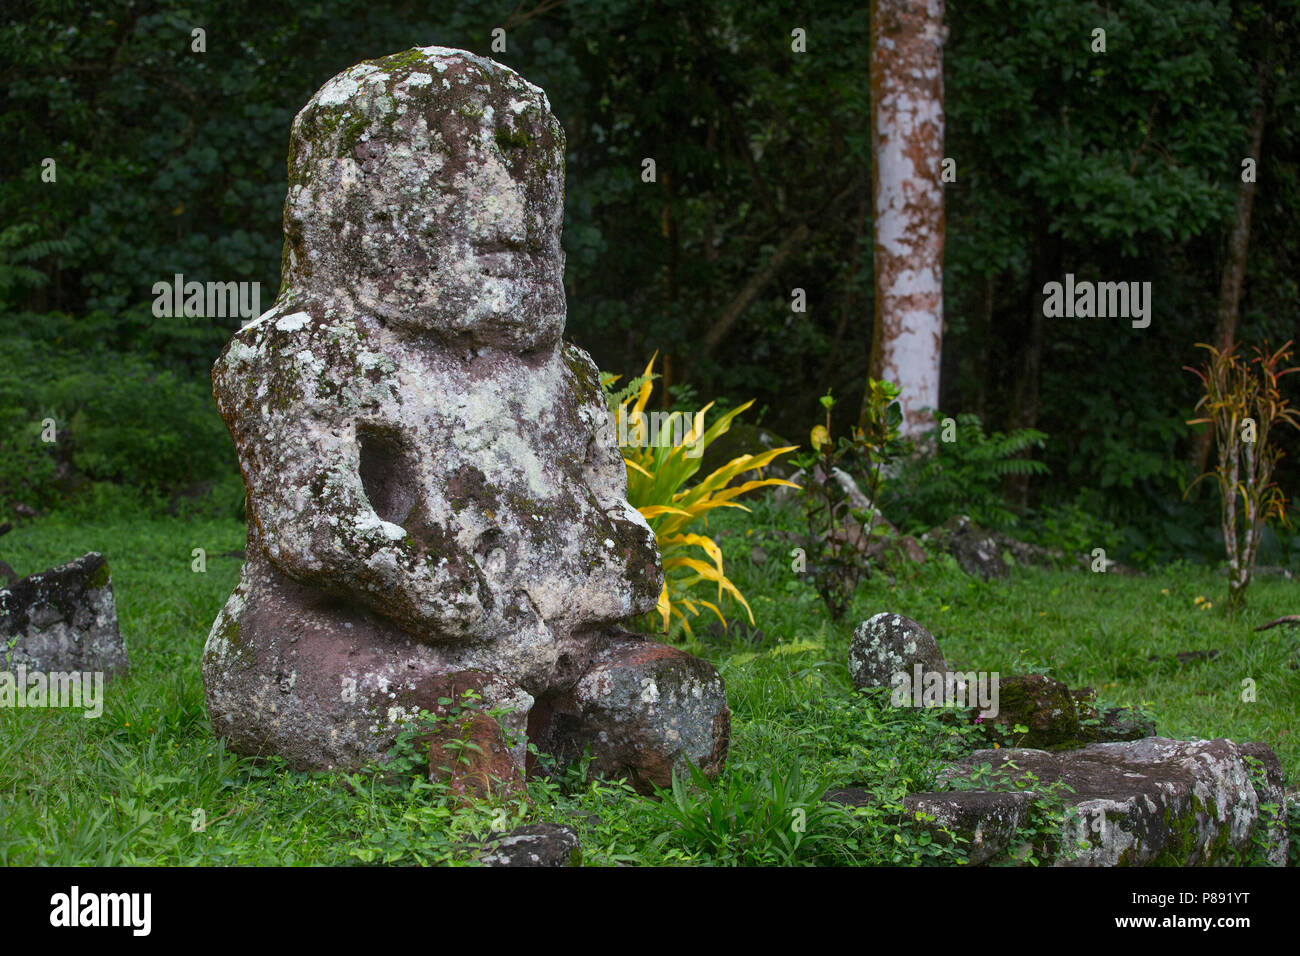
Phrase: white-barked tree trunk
[907,38]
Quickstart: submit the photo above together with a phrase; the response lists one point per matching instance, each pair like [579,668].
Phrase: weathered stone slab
[63,620]
[1133,803]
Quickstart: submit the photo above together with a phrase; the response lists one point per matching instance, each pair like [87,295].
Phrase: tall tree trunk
[907,38]
[1234,268]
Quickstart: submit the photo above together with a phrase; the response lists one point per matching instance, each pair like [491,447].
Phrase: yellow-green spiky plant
[660,467]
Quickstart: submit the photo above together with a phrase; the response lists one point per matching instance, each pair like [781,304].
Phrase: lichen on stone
[428,491]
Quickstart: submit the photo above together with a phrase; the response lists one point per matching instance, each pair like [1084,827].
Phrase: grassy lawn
[1088,630]
[133,786]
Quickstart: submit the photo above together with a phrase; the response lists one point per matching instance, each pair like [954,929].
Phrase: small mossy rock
[976,551]
[644,709]
[1042,704]
[1136,803]
[851,797]
[1085,704]
[63,620]
[1119,724]
[889,644]
[1026,554]
[534,844]
[987,820]
[433,485]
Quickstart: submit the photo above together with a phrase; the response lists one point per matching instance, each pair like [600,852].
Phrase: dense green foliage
[960,470]
[1122,165]
[115,417]
[835,561]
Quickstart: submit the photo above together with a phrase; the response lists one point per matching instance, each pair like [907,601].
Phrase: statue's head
[427,188]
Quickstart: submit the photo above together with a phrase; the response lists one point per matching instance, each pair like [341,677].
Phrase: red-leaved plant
[1243,402]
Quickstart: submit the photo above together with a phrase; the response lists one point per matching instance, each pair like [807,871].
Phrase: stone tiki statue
[435,502]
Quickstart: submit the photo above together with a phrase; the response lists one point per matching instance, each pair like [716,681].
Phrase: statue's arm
[292,410]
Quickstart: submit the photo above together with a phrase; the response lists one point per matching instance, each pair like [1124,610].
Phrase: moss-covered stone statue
[434,501]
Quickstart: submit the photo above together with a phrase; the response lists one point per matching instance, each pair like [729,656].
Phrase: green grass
[123,789]
[1086,629]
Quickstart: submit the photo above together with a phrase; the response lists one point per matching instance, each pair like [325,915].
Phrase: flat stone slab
[63,620]
[1135,803]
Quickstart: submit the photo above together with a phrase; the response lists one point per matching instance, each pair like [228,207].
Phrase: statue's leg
[643,709]
[473,750]
[329,685]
